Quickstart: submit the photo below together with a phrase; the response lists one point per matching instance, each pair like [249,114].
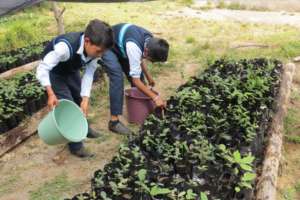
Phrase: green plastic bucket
[65,123]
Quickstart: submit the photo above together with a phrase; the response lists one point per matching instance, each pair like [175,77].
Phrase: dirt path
[262,17]
[29,171]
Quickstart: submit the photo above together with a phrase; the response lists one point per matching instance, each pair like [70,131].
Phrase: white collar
[80,51]
[81,47]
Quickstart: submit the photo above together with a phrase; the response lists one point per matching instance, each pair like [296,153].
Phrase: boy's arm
[52,99]
[147,74]
[135,62]
[86,85]
[142,87]
[60,53]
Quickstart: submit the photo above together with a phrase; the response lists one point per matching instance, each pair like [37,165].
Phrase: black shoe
[118,127]
[93,134]
[82,153]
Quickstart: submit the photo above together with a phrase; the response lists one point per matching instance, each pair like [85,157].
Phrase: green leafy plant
[205,140]
[243,165]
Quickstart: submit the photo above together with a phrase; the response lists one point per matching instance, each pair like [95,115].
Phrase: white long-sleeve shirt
[135,56]
[61,53]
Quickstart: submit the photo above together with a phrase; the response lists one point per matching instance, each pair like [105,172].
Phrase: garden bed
[209,144]
[22,95]
[15,58]
[16,136]
[19,97]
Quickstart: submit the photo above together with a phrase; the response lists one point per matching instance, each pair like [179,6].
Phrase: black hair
[158,49]
[100,33]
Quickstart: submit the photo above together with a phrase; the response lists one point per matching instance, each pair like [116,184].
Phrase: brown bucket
[139,106]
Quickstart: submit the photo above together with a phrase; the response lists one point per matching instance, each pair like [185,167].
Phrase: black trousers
[68,87]
[115,67]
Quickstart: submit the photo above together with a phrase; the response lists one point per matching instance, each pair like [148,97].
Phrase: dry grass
[270,5]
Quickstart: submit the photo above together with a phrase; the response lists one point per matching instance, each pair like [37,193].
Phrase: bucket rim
[134,97]
[72,139]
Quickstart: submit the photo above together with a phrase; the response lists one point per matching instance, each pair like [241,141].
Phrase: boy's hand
[151,81]
[52,100]
[147,74]
[84,105]
[159,102]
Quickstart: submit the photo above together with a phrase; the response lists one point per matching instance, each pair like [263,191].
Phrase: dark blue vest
[128,32]
[74,63]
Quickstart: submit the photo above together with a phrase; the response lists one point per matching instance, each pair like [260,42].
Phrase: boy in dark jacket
[133,45]
[59,70]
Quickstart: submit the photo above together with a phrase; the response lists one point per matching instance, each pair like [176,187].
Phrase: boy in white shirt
[133,45]
[59,70]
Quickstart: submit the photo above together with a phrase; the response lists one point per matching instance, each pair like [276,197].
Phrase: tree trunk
[58,14]
[266,186]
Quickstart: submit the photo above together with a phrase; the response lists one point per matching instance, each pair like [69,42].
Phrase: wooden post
[266,186]
[58,14]
[14,137]
[23,68]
